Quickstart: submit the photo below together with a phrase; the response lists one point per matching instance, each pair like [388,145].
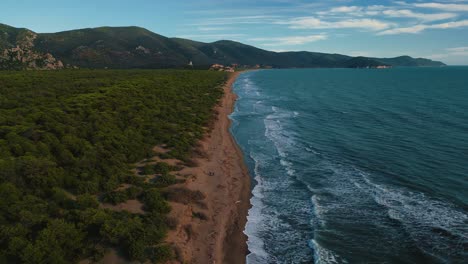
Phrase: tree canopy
[68,139]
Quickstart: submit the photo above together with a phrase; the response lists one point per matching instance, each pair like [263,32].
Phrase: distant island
[135,47]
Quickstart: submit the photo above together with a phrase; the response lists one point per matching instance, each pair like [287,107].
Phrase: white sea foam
[273,219]
[283,140]
[433,224]
[308,149]
[284,216]
[323,255]
[319,210]
[254,220]
[288,166]
[437,227]
[418,208]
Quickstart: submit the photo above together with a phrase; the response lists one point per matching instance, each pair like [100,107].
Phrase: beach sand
[221,175]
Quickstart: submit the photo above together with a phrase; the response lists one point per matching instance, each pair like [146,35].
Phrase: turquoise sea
[355,165]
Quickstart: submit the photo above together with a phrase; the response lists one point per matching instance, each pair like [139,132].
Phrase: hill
[363,62]
[18,51]
[135,47]
[408,61]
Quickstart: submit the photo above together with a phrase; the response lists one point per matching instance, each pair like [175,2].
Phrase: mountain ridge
[137,47]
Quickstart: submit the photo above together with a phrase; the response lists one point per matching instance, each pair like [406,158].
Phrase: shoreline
[223,178]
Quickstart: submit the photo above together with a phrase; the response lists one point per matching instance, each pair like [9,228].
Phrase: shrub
[162,168]
[154,202]
[115,197]
[76,133]
[86,201]
[160,254]
[165,180]
[172,222]
[147,170]
[200,215]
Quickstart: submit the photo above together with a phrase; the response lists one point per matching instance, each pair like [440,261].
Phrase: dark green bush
[162,168]
[148,170]
[165,180]
[200,215]
[154,202]
[116,197]
[86,201]
[68,136]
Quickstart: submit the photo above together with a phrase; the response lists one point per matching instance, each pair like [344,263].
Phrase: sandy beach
[211,230]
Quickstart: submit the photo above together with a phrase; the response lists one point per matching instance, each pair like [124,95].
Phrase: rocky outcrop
[22,56]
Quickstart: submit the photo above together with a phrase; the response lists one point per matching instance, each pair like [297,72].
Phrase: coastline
[222,177]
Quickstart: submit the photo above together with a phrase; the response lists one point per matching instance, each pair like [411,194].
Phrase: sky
[431,29]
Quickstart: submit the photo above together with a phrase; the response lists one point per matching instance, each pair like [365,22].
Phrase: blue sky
[433,29]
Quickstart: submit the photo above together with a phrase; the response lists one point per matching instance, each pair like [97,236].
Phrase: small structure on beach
[383,67]
[220,67]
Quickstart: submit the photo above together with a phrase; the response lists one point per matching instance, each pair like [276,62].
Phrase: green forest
[69,139]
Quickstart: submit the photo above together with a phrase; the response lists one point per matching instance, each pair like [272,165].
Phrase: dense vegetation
[362,62]
[134,47]
[67,142]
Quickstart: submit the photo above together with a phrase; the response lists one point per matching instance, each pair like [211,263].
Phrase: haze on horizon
[433,29]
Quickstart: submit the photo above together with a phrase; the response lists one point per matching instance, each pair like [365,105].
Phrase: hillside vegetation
[135,47]
[67,142]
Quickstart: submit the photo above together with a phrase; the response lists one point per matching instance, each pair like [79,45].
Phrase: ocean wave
[248,87]
[288,166]
[352,209]
[282,139]
[255,218]
[318,210]
[323,255]
[272,225]
[283,213]
[438,227]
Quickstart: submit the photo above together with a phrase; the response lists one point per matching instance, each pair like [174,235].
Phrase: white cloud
[419,28]
[315,23]
[233,20]
[458,50]
[345,9]
[410,14]
[446,7]
[402,30]
[377,7]
[456,55]
[290,40]
[348,9]
[213,28]
[387,11]
[455,24]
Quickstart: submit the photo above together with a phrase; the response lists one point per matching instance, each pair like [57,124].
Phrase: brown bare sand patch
[223,179]
[113,257]
[161,149]
[132,206]
[207,224]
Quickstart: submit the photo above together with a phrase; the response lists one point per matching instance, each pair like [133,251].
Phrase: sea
[355,165]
